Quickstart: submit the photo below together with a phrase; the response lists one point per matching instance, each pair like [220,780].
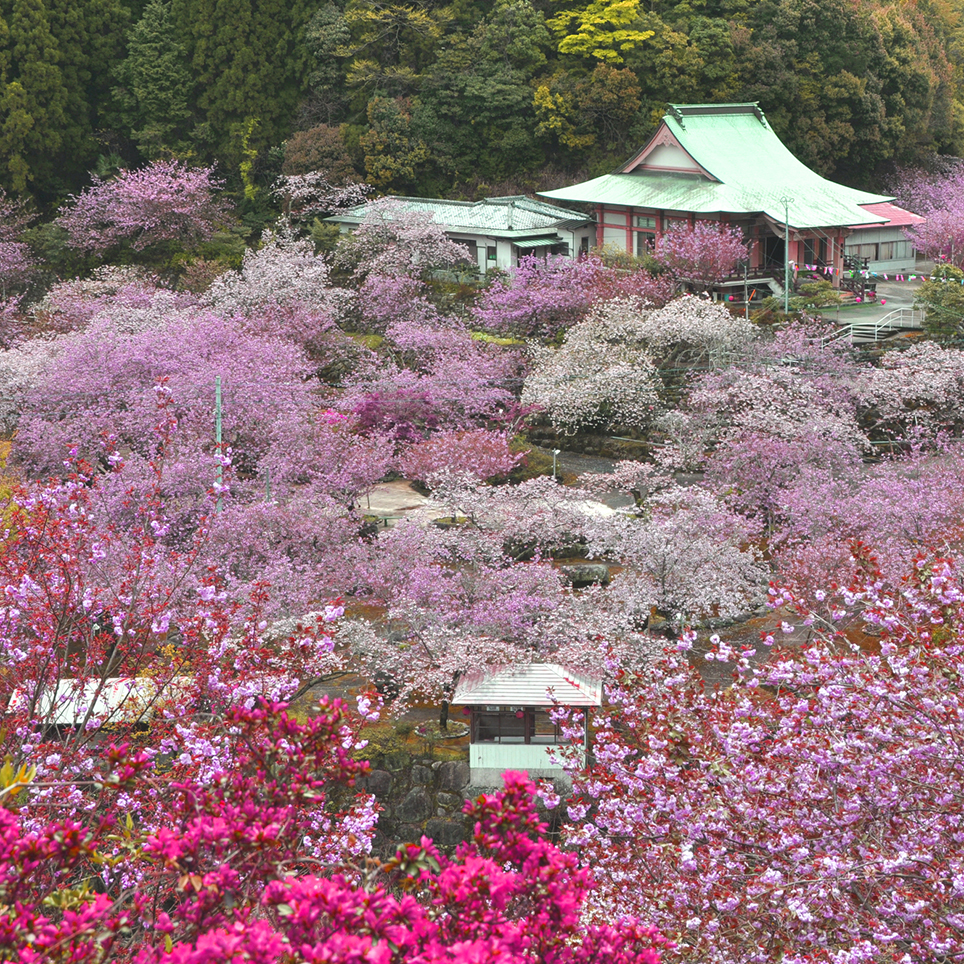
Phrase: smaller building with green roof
[724,163]
[498,230]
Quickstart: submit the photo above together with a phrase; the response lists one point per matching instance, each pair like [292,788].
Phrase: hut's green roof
[753,171]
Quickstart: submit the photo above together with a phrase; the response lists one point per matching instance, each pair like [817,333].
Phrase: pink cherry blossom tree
[913,390]
[480,453]
[543,297]
[935,194]
[71,305]
[703,253]
[163,202]
[394,240]
[107,370]
[17,263]
[305,197]
[809,809]
[786,398]
[283,272]
[605,372]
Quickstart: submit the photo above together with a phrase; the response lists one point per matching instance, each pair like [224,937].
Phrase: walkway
[890,296]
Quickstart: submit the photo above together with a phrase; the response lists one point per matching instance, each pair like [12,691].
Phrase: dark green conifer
[155,85]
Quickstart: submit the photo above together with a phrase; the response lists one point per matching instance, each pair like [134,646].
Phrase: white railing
[900,319]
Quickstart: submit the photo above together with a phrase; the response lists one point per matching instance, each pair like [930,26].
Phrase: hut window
[514,724]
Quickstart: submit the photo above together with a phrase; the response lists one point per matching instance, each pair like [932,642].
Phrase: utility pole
[219,471]
[746,297]
[787,201]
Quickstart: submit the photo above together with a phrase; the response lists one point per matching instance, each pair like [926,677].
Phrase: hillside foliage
[434,98]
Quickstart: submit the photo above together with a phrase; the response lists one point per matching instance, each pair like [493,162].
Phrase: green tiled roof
[754,170]
[536,242]
[514,216]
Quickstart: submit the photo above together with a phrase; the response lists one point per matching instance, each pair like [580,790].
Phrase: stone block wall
[418,796]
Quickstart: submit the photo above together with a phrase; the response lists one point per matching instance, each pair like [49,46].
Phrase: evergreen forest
[462,98]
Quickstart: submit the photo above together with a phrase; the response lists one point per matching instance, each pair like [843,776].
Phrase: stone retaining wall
[420,796]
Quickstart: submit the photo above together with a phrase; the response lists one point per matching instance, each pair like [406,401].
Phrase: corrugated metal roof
[531,684]
[735,144]
[896,217]
[120,699]
[511,216]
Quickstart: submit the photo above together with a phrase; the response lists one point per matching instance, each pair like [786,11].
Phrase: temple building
[724,163]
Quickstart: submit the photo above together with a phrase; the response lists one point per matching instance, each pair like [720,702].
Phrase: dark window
[515,724]
[473,250]
[645,240]
[773,249]
[814,251]
[490,253]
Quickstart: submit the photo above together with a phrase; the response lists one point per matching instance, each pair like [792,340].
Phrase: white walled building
[497,231]
[885,246]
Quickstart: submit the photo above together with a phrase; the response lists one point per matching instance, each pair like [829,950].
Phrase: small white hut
[511,726]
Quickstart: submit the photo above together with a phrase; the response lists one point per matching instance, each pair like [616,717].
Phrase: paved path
[395,500]
[890,296]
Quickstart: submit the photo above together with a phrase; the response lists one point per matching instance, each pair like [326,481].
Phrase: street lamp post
[219,470]
[746,297]
[787,201]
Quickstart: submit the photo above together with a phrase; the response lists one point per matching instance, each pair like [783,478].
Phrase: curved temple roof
[738,166]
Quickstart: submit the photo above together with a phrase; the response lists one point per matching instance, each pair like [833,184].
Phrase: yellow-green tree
[392,154]
[603,30]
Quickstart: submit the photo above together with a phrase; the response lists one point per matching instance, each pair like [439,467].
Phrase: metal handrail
[900,318]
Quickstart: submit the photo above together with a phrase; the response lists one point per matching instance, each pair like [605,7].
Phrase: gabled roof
[510,217]
[531,684]
[896,217]
[739,166]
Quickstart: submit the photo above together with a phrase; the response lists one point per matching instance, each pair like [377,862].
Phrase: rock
[446,833]
[422,776]
[453,775]
[416,807]
[450,800]
[379,782]
[586,574]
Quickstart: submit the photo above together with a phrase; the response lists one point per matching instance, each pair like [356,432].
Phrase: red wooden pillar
[600,225]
